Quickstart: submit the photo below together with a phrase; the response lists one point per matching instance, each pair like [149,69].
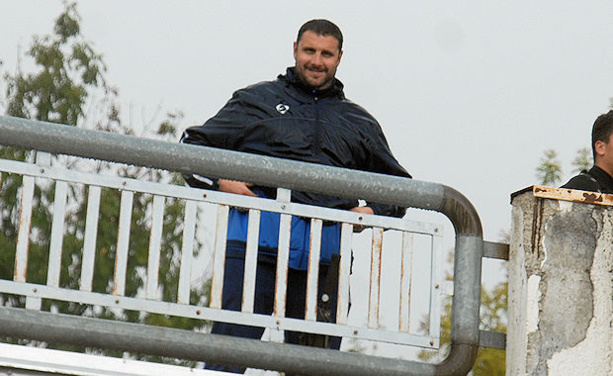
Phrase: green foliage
[492,362]
[68,74]
[68,69]
[494,307]
[549,172]
[493,317]
[583,161]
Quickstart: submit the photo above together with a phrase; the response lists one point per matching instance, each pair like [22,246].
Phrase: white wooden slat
[57,234]
[155,244]
[219,256]
[23,236]
[89,242]
[251,258]
[313,271]
[374,300]
[406,273]
[123,242]
[342,310]
[187,251]
[435,289]
[285,227]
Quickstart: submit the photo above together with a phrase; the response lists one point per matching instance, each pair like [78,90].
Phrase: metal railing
[53,138]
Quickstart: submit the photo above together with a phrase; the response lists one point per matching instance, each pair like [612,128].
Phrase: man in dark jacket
[600,177]
[302,115]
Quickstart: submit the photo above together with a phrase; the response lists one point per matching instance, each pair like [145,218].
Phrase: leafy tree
[549,171]
[492,362]
[69,76]
[583,161]
[489,362]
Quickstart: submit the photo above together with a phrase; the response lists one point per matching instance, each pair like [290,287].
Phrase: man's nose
[317,60]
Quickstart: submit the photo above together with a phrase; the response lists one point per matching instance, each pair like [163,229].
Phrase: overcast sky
[469,93]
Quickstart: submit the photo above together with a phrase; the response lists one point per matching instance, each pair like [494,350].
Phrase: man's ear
[599,147]
[295,49]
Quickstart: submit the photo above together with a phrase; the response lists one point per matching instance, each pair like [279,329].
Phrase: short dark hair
[322,27]
[602,129]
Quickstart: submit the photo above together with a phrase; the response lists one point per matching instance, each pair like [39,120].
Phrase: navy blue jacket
[283,118]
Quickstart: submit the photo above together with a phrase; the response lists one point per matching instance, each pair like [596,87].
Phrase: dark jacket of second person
[594,180]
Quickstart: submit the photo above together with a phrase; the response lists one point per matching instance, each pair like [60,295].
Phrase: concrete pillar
[560,284]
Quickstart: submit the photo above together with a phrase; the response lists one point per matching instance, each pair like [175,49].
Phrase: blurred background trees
[69,86]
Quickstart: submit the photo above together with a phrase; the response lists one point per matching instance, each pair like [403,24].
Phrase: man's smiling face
[317,57]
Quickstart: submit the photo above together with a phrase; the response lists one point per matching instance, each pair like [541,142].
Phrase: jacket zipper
[317,128]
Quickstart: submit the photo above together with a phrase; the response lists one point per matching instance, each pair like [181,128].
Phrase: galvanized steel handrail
[62,139]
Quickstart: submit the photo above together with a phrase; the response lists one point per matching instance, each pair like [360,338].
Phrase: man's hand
[236,187]
[364,210]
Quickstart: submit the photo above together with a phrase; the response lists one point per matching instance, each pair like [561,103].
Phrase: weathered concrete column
[560,283]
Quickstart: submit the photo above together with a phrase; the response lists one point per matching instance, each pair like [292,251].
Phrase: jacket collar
[602,176]
[290,78]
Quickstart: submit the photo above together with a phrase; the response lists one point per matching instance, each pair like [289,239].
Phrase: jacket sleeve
[221,131]
[381,160]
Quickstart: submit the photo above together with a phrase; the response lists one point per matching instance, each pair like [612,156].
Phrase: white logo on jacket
[282,108]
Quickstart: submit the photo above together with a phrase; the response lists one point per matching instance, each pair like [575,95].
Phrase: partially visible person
[600,177]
